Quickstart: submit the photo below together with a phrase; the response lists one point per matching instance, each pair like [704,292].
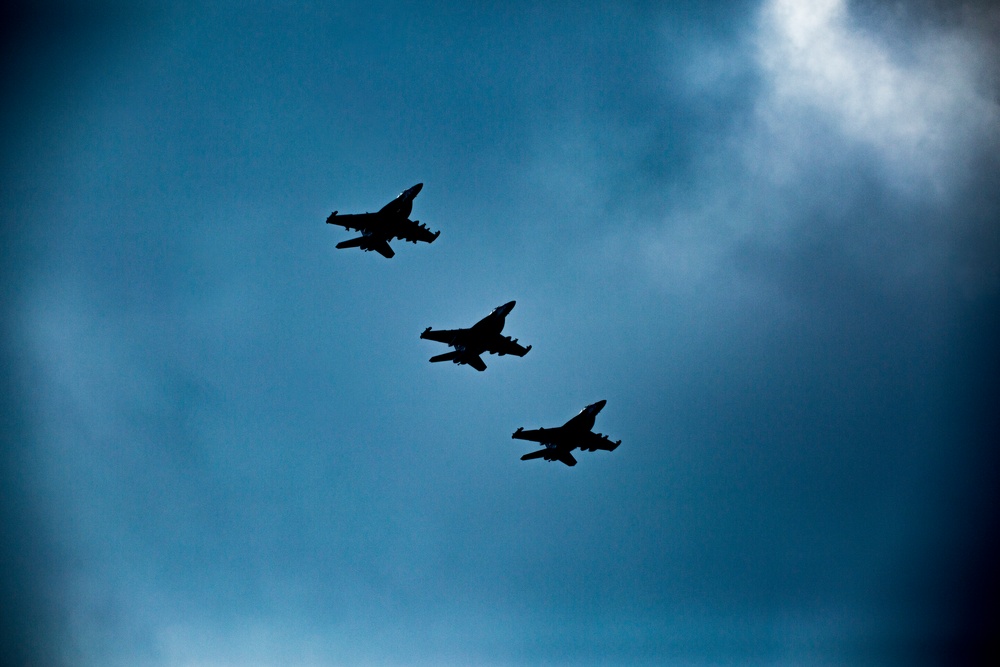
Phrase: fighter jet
[483,336]
[561,440]
[377,229]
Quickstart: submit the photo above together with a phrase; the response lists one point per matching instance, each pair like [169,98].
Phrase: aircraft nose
[597,407]
[415,190]
[504,310]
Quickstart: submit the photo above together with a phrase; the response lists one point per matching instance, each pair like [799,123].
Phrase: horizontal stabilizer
[551,455]
[447,356]
[367,243]
[353,243]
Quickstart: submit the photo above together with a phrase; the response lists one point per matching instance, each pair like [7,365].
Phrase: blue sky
[765,232]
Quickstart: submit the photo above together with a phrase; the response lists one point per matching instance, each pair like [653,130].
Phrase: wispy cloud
[921,113]
[849,140]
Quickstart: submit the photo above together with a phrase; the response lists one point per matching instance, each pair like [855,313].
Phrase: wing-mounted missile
[329,219]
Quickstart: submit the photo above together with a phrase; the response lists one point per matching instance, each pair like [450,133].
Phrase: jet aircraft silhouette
[561,440]
[484,336]
[392,221]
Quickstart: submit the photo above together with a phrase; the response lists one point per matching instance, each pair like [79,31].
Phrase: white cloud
[846,123]
[921,113]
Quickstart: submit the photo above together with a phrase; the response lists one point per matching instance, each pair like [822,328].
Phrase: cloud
[921,114]
[866,140]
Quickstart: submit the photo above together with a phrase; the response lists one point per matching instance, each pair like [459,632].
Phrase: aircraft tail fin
[476,362]
[534,455]
[447,356]
[382,248]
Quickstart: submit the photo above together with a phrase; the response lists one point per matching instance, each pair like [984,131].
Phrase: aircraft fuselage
[401,206]
[492,324]
[585,419]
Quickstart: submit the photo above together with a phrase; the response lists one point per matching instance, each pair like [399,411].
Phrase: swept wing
[353,221]
[535,434]
[413,231]
[591,442]
[505,345]
[446,336]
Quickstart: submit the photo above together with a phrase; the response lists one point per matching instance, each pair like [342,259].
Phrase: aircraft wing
[591,442]
[535,435]
[356,221]
[445,336]
[413,231]
[504,345]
